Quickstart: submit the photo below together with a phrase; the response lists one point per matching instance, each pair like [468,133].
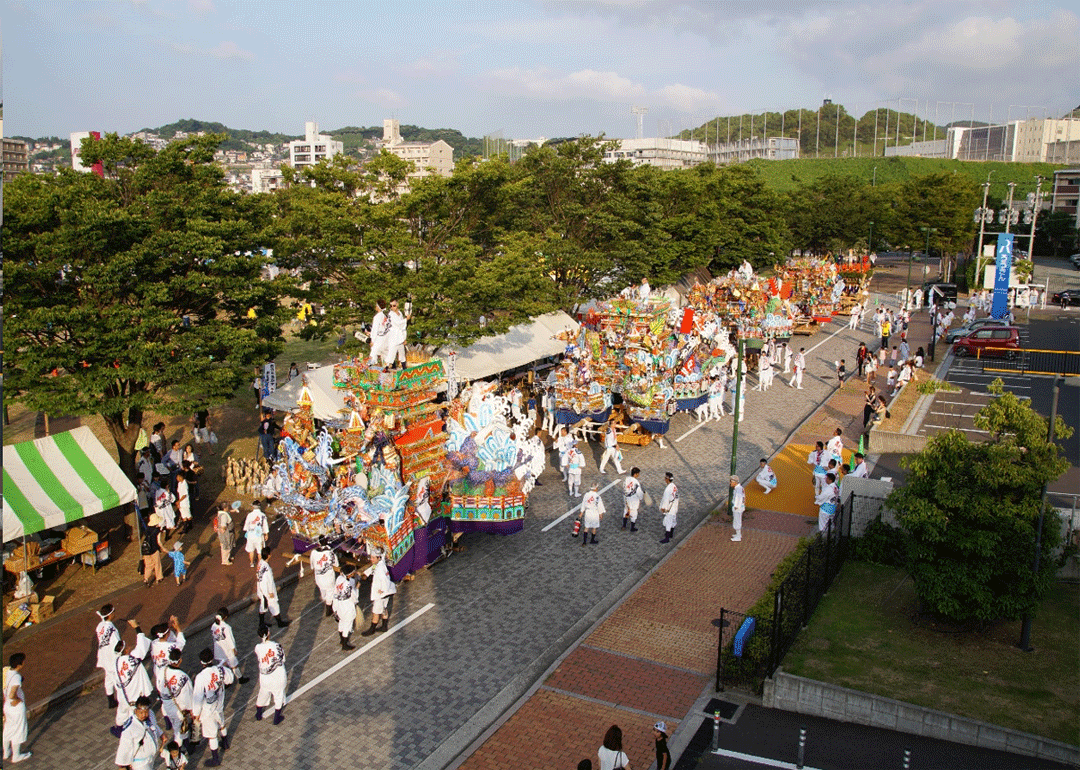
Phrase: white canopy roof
[58,480]
[327,402]
[518,347]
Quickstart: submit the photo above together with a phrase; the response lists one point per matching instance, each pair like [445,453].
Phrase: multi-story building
[313,148]
[16,158]
[1066,195]
[660,152]
[266,179]
[76,151]
[770,148]
[1034,138]
[427,157]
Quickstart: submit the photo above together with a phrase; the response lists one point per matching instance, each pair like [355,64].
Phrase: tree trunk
[125,433]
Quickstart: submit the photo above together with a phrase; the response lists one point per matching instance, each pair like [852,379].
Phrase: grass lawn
[864,637]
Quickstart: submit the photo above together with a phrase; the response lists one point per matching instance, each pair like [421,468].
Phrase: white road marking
[349,659]
[577,507]
[759,760]
[696,427]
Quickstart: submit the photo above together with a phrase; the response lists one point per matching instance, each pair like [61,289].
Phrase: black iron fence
[751,645]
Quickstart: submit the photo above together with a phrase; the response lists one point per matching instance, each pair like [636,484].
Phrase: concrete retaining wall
[884,441]
[807,696]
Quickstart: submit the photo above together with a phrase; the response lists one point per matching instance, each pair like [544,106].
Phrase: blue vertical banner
[1002,271]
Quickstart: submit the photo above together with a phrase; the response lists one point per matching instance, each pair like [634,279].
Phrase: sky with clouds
[542,68]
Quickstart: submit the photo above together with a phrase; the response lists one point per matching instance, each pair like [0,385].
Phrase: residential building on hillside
[427,157]
[76,151]
[1066,195]
[266,179]
[16,158]
[660,152]
[313,148]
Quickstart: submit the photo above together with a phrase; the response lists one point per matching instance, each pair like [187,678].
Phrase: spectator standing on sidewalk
[663,755]
[15,728]
[738,507]
[861,355]
[152,546]
[610,753]
[223,526]
[669,506]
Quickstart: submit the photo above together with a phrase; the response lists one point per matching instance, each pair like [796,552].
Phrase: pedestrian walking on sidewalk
[256,525]
[152,546]
[669,506]
[223,526]
[610,754]
[15,726]
[738,507]
[861,355]
[841,371]
[663,755]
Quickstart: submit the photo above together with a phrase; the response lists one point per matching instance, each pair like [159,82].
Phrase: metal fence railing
[794,600]
[1031,361]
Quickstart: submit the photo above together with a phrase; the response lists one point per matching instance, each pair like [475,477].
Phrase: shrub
[881,544]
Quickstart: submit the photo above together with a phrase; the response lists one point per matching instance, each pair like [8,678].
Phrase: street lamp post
[736,415]
[870,239]
[1009,210]
[982,229]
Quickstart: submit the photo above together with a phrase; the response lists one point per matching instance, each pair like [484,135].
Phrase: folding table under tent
[57,480]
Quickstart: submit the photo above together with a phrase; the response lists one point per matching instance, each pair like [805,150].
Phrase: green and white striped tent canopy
[58,480]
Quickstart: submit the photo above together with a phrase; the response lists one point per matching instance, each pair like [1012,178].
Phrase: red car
[989,341]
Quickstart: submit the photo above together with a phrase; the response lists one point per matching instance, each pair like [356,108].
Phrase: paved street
[472,635]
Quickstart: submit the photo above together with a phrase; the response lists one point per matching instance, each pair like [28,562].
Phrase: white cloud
[436,64]
[689,98]
[201,7]
[227,49]
[383,97]
[584,84]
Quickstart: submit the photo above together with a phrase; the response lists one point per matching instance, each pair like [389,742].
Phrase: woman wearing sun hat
[152,546]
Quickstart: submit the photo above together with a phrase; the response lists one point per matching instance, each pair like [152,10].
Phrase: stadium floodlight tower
[640,112]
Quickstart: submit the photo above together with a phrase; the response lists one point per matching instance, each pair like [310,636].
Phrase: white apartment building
[769,148]
[1035,137]
[76,148]
[428,158]
[659,152]
[266,179]
[313,148]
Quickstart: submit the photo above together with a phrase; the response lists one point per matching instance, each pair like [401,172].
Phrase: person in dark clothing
[663,756]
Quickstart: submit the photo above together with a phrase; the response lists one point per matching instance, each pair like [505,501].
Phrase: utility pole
[735,414]
[1009,210]
[982,230]
[1034,216]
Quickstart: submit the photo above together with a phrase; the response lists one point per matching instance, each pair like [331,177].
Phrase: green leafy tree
[970,511]
[132,293]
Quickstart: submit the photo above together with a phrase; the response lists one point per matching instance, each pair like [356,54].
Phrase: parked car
[968,329]
[1067,297]
[990,341]
[1075,261]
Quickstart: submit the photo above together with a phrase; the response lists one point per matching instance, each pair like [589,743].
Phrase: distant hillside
[356,139]
[785,175]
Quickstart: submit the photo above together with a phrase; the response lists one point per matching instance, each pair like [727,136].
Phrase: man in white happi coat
[382,588]
[575,464]
[550,405]
[738,507]
[592,512]
[140,739]
[798,365]
[669,506]
[266,590]
[860,471]
[787,358]
[765,476]
[633,494]
[106,637]
[208,703]
[644,290]
[380,336]
[826,500]
[856,312]
[323,565]
[15,725]
[176,697]
[835,446]
[132,681]
[256,526]
[611,450]
[537,461]
[165,637]
[562,445]
[225,643]
[271,658]
[345,596]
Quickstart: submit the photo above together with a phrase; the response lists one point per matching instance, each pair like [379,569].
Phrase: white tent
[519,346]
[327,402]
[58,480]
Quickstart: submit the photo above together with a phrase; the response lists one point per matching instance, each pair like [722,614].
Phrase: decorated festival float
[391,478]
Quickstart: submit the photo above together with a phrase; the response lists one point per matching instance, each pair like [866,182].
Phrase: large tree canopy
[970,510]
[132,292]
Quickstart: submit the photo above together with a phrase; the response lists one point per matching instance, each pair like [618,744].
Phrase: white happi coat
[159,654]
[669,505]
[345,598]
[208,699]
[224,643]
[131,679]
[382,587]
[271,657]
[592,508]
[107,636]
[633,494]
[323,562]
